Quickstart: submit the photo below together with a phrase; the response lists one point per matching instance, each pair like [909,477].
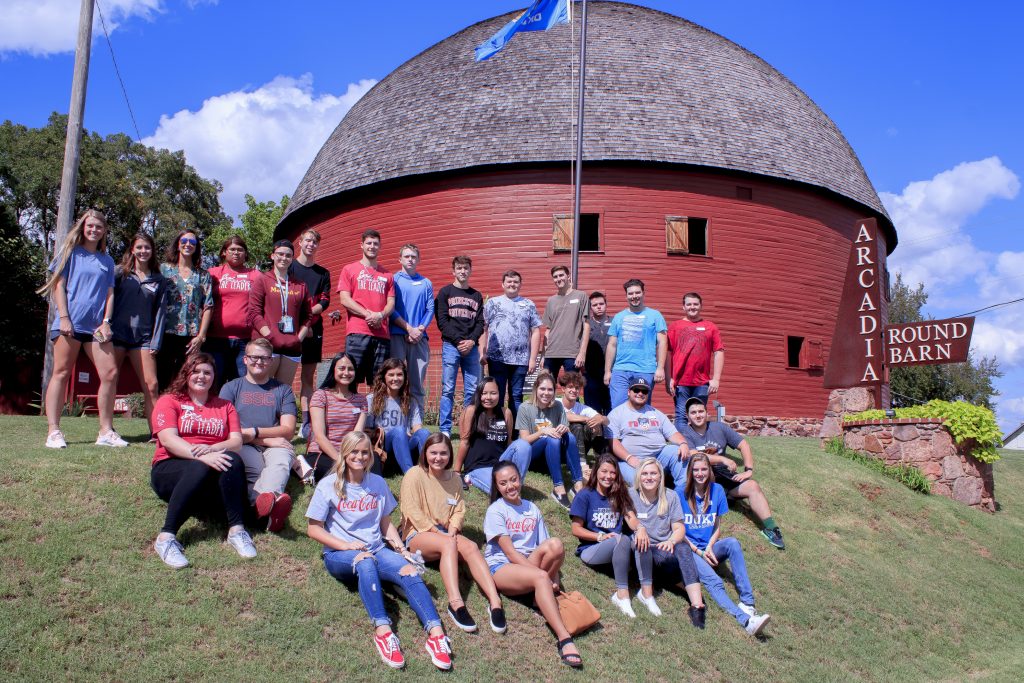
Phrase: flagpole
[579,152]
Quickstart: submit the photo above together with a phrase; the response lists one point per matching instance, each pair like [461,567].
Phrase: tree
[970,381]
[258,223]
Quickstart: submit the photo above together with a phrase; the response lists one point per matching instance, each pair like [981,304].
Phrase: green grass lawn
[877,583]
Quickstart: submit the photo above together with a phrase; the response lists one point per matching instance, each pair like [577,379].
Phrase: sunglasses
[188,240]
[640,391]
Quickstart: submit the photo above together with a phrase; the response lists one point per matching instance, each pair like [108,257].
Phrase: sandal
[573,659]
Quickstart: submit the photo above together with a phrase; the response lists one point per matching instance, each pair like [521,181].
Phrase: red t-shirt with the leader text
[197,424]
[370,288]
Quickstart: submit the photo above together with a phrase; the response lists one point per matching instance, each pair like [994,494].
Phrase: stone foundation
[843,402]
[756,425]
[927,445]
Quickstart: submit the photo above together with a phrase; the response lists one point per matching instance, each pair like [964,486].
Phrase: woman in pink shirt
[229,329]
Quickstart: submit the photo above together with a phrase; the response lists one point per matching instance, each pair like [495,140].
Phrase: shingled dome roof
[659,89]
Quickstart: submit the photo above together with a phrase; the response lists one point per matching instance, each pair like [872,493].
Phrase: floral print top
[186,299]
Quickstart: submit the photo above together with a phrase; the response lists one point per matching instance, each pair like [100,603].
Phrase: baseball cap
[693,400]
[637,382]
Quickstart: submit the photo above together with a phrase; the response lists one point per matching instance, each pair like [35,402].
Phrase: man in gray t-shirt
[266,410]
[641,431]
[566,317]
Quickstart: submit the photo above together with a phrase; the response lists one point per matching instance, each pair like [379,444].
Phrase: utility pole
[69,177]
[579,153]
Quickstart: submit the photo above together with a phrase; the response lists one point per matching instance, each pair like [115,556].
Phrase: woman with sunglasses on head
[82,286]
[140,311]
[189,304]
[279,312]
[229,327]
[394,411]
[334,411]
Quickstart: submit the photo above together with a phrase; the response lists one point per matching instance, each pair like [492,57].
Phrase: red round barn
[704,169]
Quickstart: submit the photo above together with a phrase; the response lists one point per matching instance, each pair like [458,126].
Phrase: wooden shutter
[561,233]
[676,233]
[810,355]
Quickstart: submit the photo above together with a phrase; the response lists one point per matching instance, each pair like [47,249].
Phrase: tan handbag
[578,613]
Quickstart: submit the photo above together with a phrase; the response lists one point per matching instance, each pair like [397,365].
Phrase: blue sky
[928,94]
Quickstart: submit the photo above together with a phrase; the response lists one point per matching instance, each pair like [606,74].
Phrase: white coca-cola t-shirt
[522,523]
[357,517]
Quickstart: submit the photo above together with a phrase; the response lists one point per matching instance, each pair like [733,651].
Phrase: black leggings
[190,487]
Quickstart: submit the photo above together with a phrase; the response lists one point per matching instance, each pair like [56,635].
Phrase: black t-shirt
[459,314]
[485,448]
[318,283]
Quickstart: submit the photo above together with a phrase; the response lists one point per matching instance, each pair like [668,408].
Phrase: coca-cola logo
[367,502]
[521,526]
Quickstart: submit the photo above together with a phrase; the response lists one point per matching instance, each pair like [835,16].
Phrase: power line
[124,91]
[1004,303]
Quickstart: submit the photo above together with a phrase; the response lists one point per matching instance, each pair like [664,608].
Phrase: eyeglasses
[258,360]
[188,240]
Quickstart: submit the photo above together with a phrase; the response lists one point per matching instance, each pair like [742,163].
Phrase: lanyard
[284,293]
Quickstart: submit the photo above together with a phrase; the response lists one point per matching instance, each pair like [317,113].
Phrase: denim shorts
[80,337]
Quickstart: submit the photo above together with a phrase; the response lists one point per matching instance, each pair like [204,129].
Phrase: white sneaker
[241,541]
[111,439]
[757,623]
[623,605]
[55,439]
[171,552]
[747,609]
[649,603]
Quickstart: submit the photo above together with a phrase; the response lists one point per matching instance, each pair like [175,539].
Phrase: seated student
[486,430]
[393,410]
[350,514]
[712,438]
[196,462]
[334,411]
[522,557]
[266,411]
[659,540]
[639,430]
[597,513]
[705,505]
[544,428]
[589,427]
[432,516]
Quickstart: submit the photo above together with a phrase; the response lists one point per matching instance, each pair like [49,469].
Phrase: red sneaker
[279,513]
[264,504]
[389,649]
[440,651]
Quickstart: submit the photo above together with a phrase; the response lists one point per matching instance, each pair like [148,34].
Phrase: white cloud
[1010,412]
[43,27]
[257,142]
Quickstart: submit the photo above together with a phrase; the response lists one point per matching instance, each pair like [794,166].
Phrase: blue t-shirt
[700,526]
[636,337]
[522,523]
[510,323]
[414,302]
[597,514]
[88,276]
[392,415]
[358,517]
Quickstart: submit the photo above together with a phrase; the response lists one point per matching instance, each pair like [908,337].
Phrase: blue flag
[542,15]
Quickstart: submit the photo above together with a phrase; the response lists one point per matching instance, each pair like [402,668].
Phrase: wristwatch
[106,321]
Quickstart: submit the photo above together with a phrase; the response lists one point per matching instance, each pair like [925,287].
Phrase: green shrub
[136,404]
[965,421]
[908,475]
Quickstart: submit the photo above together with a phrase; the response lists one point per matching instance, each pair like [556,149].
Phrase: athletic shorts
[724,477]
[312,350]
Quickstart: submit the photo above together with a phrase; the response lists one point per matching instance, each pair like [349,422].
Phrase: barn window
[686,235]
[590,232]
[804,353]
[793,346]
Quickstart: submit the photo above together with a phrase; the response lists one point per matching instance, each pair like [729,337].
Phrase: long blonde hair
[347,445]
[76,236]
[662,499]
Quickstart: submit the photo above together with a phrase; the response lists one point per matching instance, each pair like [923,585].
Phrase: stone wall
[927,445]
[842,402]
[755,425]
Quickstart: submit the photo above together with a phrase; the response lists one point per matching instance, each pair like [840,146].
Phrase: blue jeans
[511,376]
[596,395]
[403,448]
[416,357]
[618,388]
[554,450]
[556,365]
[385,565]
[451,361]
[679,564]
[481,476]
[684,394]
[670,462]
[727,549]
[228,355]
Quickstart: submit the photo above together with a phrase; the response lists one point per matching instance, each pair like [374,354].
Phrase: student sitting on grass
[433,512]
[589,427]
[705,505]
[393,410]
[597,514]
[334,411]
[486,430]
[659,540]
[350,514]
[522,557]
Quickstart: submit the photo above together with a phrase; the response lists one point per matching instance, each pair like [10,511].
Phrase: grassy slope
[878,583]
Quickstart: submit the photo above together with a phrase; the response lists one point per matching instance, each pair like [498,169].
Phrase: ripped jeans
[384,565]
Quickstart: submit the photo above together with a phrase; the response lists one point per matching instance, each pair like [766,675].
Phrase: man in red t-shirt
[695,356]
[368,294]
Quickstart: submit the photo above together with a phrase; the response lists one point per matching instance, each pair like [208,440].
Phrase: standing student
[279,313]
[596,392]
[636,345]
[433,513]
[461,322]
[705,505]
[414,311]
[695,357]
[82,286]
[350,514]
[368,295]
[521,555]
[318,286]
[511,339]
[229,326]
[393,410]
[567,325]
[140,308]
[486,428]
[334,411]
[189,305]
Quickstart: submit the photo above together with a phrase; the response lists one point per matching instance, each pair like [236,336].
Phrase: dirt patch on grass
[869,491]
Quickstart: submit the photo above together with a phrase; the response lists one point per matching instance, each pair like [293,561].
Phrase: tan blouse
[427,501]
